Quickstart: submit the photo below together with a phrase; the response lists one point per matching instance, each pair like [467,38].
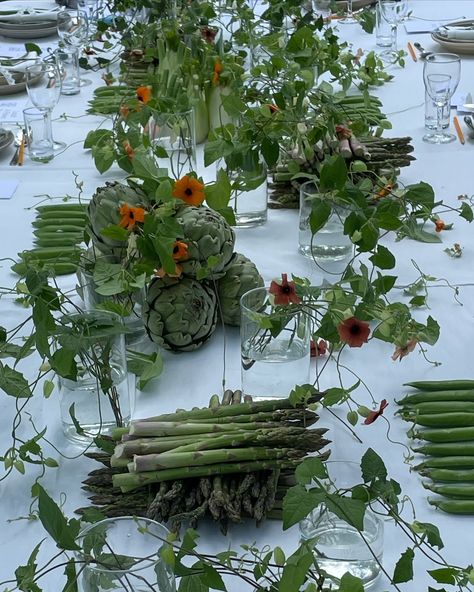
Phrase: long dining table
[189,379]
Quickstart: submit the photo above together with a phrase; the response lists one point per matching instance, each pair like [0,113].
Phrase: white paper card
[11,111]
[416,26]
[8,188]
[459,99]
[13,51]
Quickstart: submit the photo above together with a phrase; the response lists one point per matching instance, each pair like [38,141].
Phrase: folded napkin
[461,33]
[28,15]
[8,67]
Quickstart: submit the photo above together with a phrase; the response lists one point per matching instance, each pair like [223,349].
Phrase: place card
[13,51]
[419,26]
[11,111]
[8,188]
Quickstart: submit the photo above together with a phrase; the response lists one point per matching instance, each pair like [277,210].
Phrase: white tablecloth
[190,379]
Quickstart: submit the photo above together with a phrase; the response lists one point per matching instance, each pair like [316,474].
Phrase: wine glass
[43,83]
[393,12]
[349,18]
[446,64]
[73,30]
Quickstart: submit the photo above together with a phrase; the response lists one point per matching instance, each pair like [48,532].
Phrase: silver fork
[18,142]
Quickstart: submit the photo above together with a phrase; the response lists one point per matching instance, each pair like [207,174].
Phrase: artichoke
[208,235]
[241,276]
[180,314]
[104,209]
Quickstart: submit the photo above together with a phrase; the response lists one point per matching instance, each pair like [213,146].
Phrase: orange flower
[217,71]
[402,351]
[161,273]
[124,111]
[131,216]
[144,94]
[130,152]
[386,190]
[354,332]
[284,291]
[190,190]
[180,251]
[439,225]
[273,108]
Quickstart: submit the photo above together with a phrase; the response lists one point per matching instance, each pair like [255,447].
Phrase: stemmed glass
[349,18]
[394,12]
[43,83]
[441,64]
[73,30]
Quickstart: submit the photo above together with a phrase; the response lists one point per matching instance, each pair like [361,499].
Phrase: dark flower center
[188,191]
[175,250]
[286,289]
[131,215]
[354,330]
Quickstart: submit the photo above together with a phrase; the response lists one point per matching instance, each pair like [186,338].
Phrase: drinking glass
[349,18]
[73,30]
[43,83]
[39,138]
[124,554]
[322,8]
[438,88]
[394,12]
[273,361]
[448,64]
[67,60]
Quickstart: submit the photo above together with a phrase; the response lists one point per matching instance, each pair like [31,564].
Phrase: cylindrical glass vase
[94,393]
[329,243]
[173,141]
[275,359]
[338,546]
[124,555]
[249,195]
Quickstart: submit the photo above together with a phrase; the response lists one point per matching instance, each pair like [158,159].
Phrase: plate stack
[456,37]
[6,139]
[29,25]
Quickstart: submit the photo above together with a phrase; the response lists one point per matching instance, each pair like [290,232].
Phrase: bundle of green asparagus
[230,460]
[58,231]
[382,156]
[107,100]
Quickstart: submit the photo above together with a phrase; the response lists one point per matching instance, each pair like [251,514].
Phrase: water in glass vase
[329,243]
[339,548]
[272,372]
[93,409]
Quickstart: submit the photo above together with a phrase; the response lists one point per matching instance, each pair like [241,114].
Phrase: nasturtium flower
[373,415]
[129,151]
[440,225]
[217,71]
[144,94]
[190,190]
[318,348]
[402,351]
[131,216]
[180,251]
[284,291]
[354,332]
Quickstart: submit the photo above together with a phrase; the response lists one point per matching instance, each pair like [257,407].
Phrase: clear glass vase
[94,389]
[273,361]
[173,141]
[124,555]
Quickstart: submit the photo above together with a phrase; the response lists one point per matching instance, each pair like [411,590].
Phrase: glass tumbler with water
[338,546]
[123,554]
[329,243]
[274,359]
[94,392]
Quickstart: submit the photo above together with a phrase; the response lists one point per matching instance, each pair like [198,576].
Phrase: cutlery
[468,121]
[21,152]
[423,53]
[18,143]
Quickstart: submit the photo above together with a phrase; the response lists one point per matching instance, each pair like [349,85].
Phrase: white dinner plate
[46,24]
[356,4]
[29,33]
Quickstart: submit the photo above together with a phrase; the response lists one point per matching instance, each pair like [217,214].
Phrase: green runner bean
[431,396]
[453,506]
[447,449]
[444,420]
[441,385]
[438,407]
[459,435]
[454,490]
[447,462]
[463,476]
